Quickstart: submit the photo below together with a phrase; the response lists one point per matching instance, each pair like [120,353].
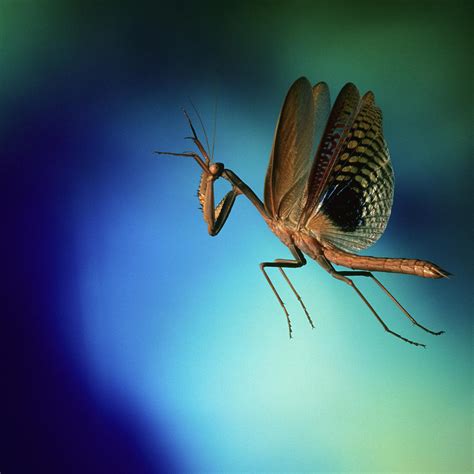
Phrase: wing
[338,126]
[322,108]
[354,206]
[289,160]
[292,204]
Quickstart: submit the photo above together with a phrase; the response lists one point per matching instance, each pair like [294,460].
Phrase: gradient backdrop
[133,342]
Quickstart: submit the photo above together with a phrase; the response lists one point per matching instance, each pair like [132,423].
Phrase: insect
[328,207]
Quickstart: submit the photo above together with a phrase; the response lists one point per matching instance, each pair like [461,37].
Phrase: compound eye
[216,169]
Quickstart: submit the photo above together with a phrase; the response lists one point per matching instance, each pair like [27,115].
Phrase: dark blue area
[53,421]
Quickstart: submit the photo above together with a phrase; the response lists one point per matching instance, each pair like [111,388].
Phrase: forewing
[292,203]
[289,160]
[355,204]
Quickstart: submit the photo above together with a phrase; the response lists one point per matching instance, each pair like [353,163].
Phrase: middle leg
[284,263]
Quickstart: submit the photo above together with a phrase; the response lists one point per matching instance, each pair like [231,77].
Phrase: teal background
[134,342]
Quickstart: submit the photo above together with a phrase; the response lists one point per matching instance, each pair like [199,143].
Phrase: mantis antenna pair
[327,207]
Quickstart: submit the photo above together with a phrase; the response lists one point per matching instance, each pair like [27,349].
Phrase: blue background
[134,342]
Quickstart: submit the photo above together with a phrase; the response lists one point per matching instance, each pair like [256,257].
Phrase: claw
[190,123]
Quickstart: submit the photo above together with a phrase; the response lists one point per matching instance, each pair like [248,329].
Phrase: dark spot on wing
[344,206]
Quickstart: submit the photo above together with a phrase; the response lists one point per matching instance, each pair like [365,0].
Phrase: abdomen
[408,266]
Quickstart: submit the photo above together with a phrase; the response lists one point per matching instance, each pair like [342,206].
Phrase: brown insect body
[328,207]
[320,251]
[408,266]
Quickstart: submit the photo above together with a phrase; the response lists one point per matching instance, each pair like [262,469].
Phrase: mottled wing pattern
[338,126]
[290,157]
[354,207]
[322,108]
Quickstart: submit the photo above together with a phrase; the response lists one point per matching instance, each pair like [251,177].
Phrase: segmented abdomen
[394,265]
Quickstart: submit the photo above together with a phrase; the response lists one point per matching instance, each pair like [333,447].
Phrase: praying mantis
[326,208]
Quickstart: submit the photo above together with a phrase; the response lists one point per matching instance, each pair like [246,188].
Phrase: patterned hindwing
[338,125]
[355,205]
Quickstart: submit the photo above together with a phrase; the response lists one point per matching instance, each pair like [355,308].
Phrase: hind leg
[342,276]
